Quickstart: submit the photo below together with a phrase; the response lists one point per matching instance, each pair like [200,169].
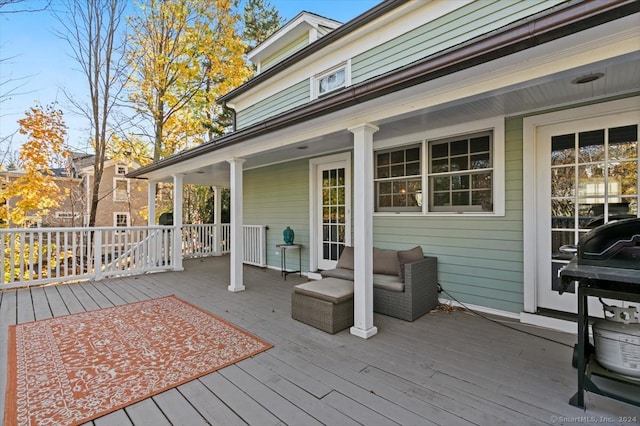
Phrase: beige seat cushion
[332,290]
[342,273]
[388,282]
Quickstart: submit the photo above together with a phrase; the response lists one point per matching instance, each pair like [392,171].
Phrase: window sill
[437,214]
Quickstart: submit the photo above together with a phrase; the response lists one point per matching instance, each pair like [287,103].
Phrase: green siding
[442,33]
[286,51]
[287,99]
[278,196]
[480,259]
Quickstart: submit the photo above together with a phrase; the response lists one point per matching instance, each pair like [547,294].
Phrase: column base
[365,334]
[235,289]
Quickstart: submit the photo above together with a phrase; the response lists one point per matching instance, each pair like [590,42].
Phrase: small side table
[283,258]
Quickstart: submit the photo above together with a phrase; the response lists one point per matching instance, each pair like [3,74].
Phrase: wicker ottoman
[326,304]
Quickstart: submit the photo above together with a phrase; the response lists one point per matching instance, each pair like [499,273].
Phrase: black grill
[614,245]
[608,253]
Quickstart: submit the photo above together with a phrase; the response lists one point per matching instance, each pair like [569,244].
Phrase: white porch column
[151,202]
[363,230]
[177,222]
[237,240]
[217,213]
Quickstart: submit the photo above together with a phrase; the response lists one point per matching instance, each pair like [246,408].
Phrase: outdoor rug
[71,369]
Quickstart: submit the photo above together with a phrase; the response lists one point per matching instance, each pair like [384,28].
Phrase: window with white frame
[398,179]
[332,80]
[121,219]
[121,169]
[120,189]
[460,173]
[437,173]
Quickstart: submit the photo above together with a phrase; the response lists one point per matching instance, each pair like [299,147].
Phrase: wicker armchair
[420,293]
[409,300]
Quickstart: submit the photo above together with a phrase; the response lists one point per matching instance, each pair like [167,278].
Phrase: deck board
[444,368]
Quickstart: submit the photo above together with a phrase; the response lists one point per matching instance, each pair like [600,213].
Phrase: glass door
[591,178]
[332,212]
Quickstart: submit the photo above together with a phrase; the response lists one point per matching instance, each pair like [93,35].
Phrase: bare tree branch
[9,6]
[91,29]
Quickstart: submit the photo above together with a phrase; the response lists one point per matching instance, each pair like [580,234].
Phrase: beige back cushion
[385,262]
[408,256]
[346,258]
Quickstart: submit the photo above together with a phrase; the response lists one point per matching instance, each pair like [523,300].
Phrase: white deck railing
[44,255]
[47,255]
[255,245]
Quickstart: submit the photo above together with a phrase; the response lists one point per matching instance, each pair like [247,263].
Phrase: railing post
[97,259]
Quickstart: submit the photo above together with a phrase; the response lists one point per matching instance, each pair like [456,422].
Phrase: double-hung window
[461,174]
[120,189]
[121,219]
[398,179]
[435,173]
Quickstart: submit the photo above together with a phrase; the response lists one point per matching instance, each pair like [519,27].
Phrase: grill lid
[614,245]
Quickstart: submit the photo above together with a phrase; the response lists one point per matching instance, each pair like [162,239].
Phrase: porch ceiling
[487,90]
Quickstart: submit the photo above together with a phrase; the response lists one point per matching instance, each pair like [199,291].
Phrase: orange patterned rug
[71,369]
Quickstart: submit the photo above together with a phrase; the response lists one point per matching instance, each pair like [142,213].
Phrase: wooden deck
[447,368]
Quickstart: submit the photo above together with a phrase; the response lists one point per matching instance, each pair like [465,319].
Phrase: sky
[36,63]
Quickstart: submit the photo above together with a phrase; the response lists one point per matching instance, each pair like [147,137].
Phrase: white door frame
[314,220]
[530,180]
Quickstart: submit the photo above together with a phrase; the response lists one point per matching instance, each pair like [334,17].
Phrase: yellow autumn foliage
[35,191]
[184,54]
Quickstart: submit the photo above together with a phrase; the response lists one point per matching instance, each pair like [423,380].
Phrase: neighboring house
[122,200]
[68,213]
[490,133]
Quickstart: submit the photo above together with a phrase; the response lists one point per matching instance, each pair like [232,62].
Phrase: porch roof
[552,25]
[444,368]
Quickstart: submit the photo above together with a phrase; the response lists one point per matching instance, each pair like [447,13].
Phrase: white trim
[315,80]
[115,219]
[313,202]
[288,32]
[530,126]
[524,317]
[549,322]
[115,188]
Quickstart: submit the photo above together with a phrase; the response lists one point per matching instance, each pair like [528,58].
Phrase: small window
[120,190]
[121,219]
[121,170]
[398,179]
[330,81]
[461,174]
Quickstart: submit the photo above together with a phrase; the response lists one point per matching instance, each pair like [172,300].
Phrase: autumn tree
[35,192]
[184,54]
[92,31]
